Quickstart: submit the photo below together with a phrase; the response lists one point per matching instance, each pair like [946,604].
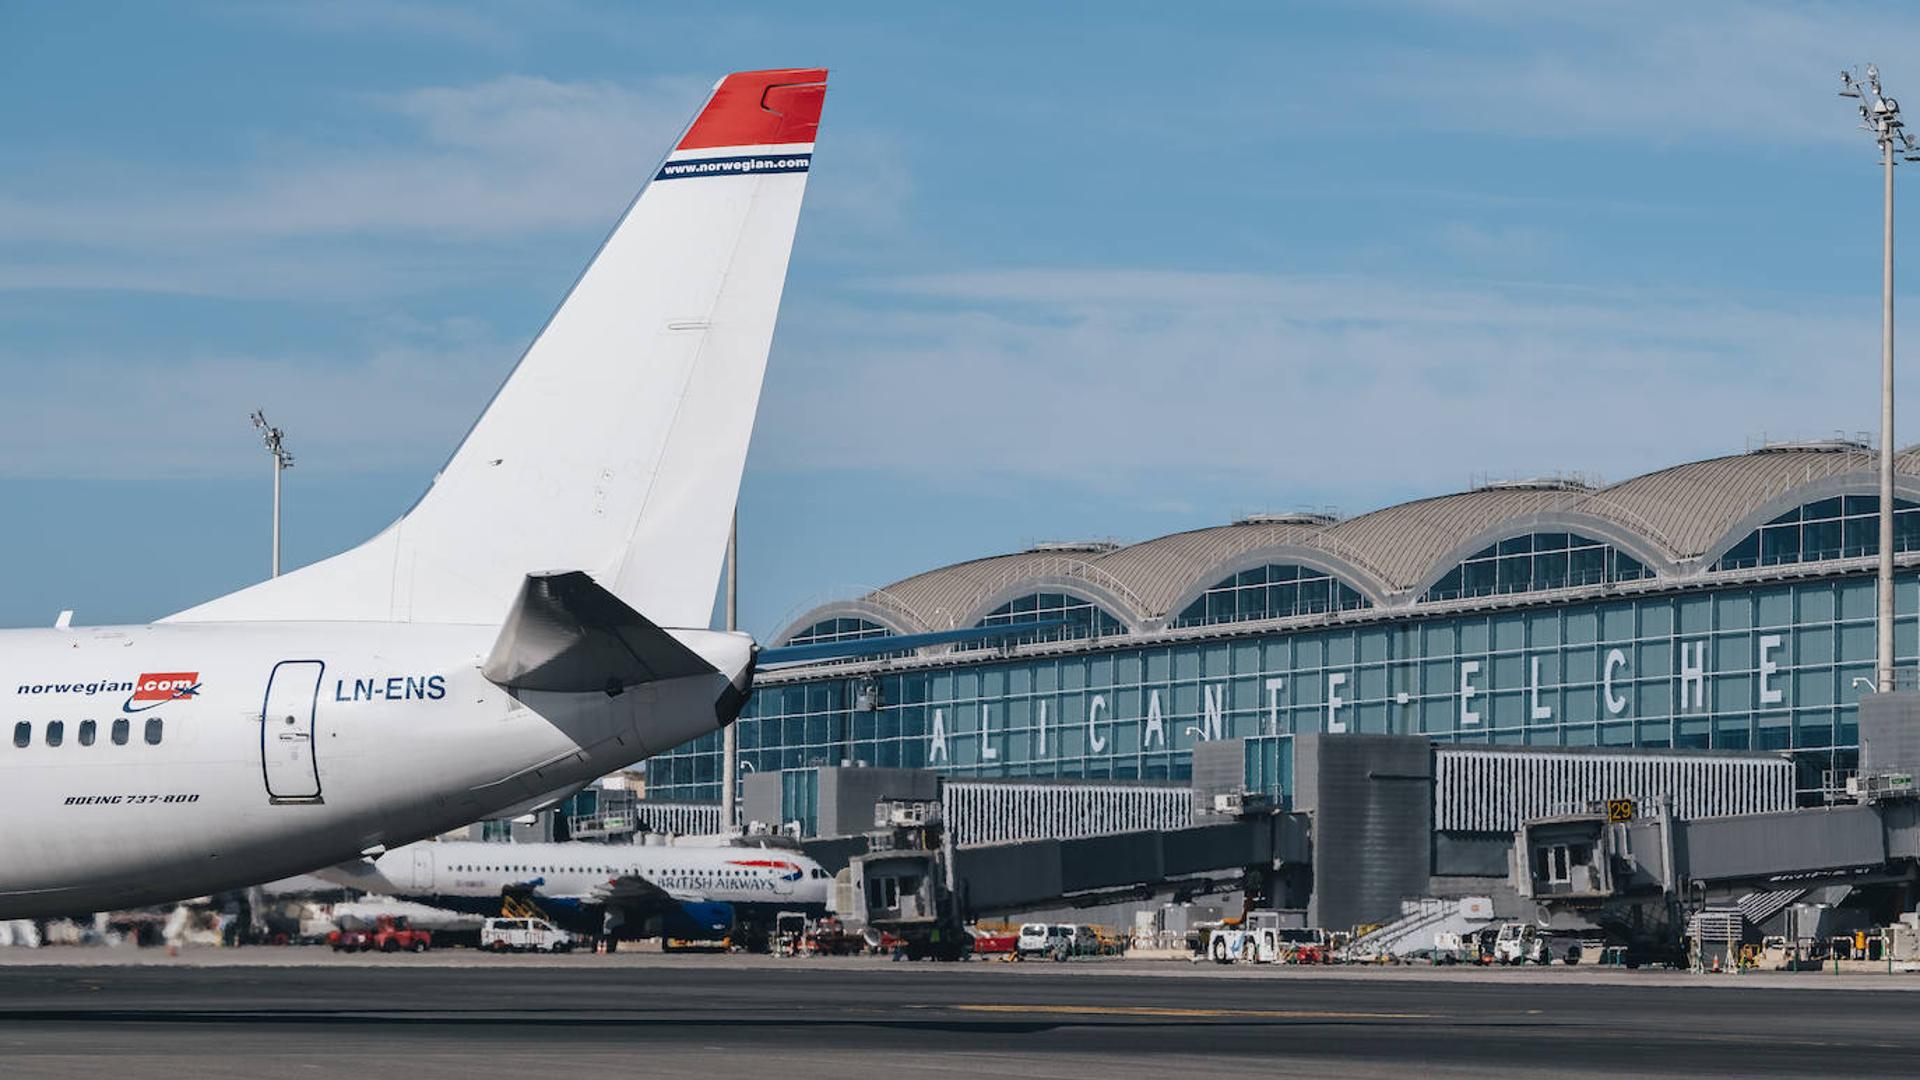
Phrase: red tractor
[388,934]
[393,934]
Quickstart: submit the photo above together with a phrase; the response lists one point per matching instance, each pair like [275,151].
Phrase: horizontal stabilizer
[897,643]
[567,634]
[546,800]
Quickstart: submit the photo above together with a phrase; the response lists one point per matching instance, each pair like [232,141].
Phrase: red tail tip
[759,108]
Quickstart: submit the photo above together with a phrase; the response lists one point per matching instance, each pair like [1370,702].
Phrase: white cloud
[400,404]
[478,176]
[1136,379]
[472,167]
[469,23]
[1749,72]
[514,154]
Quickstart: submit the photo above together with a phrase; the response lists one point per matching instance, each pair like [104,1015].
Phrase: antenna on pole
[275,441]
[1880,116]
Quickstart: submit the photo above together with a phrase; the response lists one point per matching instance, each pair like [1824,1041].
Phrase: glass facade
[1078,618]
[1843,527]
[1274,591]
[1764,666]
[844,628]
[828,631]
[800,799]
[1534,561]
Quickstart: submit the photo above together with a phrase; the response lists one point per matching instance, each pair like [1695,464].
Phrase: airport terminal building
[1725,603]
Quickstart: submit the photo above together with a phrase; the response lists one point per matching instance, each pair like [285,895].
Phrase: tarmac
[458,1014]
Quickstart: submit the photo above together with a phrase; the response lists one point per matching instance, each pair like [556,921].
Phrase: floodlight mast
[1880,115]
[275,441]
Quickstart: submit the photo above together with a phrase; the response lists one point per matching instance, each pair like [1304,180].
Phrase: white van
[1043,939]
[524,935]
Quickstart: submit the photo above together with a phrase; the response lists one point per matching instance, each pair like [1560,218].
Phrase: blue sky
[1065,271]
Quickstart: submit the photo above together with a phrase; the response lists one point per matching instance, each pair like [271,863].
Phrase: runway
[801,1019]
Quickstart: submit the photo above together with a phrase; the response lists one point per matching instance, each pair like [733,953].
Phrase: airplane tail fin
[616,446]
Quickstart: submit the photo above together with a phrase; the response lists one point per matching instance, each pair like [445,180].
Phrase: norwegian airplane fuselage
[258,751]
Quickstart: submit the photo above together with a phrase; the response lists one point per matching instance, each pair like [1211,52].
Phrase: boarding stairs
[520,907]
[1420,921]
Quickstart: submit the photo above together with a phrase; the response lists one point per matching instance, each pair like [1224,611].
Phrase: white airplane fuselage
[446,874]
[282,747]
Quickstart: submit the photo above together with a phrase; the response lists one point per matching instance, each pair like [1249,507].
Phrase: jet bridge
[907,877]
[1622,853]
[1578,859]
[1264,852]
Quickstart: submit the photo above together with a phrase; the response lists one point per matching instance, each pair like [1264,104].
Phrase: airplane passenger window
[120,728]
[154,728]
[22,733]
[56,732]
[86,732]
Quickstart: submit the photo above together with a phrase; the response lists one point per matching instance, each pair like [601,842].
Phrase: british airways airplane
[613,890]
[537,619]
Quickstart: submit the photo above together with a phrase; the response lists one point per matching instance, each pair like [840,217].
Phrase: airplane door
[422,867]
[288,720]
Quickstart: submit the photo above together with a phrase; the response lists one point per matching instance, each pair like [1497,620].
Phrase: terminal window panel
[1778,663]
[1079,618]
[1842,527]
[1536,561]
[1273,591]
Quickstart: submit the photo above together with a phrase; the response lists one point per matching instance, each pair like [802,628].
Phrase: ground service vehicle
[1258,938]
[1521,943]
[832,938]
[1078,940]
[1035,939]
[393,934]
[1305,945]
[1107,942]
[1256,945]
[524,935]
[1452,947]
[993,942]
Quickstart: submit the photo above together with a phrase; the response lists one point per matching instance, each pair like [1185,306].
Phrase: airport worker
[174,933]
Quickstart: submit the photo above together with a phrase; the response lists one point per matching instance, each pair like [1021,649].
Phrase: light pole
[1880,115]
[275,441]
[730,735]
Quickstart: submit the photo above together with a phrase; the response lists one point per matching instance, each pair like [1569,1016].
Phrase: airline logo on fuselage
[789,871]
[154,689]
[150,691]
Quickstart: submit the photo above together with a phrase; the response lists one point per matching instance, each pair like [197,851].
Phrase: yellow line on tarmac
[1233,1014]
